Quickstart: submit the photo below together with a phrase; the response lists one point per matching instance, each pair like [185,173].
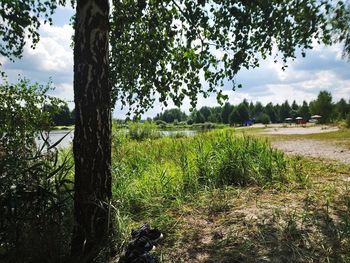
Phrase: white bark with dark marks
[92,139]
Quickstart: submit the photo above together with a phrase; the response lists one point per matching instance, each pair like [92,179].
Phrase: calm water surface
[56,135]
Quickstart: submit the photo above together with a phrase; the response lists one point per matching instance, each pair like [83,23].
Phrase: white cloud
[322,69]
[51,59]
[65,92]
[53,52]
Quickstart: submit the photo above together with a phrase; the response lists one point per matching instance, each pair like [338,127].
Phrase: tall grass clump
[142,131]
[154,176]
[246,160]
[228,160]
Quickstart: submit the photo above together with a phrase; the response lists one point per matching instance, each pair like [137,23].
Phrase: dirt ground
[314,148]
[300,130]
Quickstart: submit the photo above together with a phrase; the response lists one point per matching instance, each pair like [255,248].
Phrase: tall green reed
[155,173]
[142,131]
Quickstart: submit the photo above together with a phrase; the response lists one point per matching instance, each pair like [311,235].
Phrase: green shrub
[348,120]
[264,119]
[35,186]
[190,121]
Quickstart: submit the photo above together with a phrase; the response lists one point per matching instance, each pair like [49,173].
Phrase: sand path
[300,130]
[314,148]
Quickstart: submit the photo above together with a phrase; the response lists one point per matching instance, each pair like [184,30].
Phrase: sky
[323,68]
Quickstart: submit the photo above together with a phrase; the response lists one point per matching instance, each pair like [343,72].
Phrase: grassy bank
[153,178]
[226,195]
[223,196]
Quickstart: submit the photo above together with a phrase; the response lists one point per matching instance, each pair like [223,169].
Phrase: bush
[190,121]
[263,118]
[348,120]
[35,186]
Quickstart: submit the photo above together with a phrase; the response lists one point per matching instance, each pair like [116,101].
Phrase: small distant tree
[304,111]
[190,121]
[323,106]
[251,109]
[225,113]
[285,111]
[215,116]
[258,110]
[277,109]
[206,113]
[243,112]
[342,109]
[60,115]
[264,119]
[271,112]
[170,115]
[294,109]
[198,117]
[234,117]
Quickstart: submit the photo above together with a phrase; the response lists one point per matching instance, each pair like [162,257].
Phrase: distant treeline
[60,114]
[236,114]
[246,112]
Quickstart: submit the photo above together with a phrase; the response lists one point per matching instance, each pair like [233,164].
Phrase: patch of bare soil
[267,225]
[300,130]
[314,148]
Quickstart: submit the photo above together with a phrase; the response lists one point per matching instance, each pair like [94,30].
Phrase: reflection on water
[179,132]
[56,135]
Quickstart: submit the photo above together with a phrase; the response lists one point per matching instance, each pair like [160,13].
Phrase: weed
[298,171]
[219,202]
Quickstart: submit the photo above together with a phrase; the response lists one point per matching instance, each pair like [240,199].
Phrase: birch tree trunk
[92,135]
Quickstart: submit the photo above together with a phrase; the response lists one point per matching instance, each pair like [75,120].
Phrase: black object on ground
[143,240]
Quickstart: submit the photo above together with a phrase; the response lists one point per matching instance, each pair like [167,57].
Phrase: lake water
[56,135]
[180,132]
